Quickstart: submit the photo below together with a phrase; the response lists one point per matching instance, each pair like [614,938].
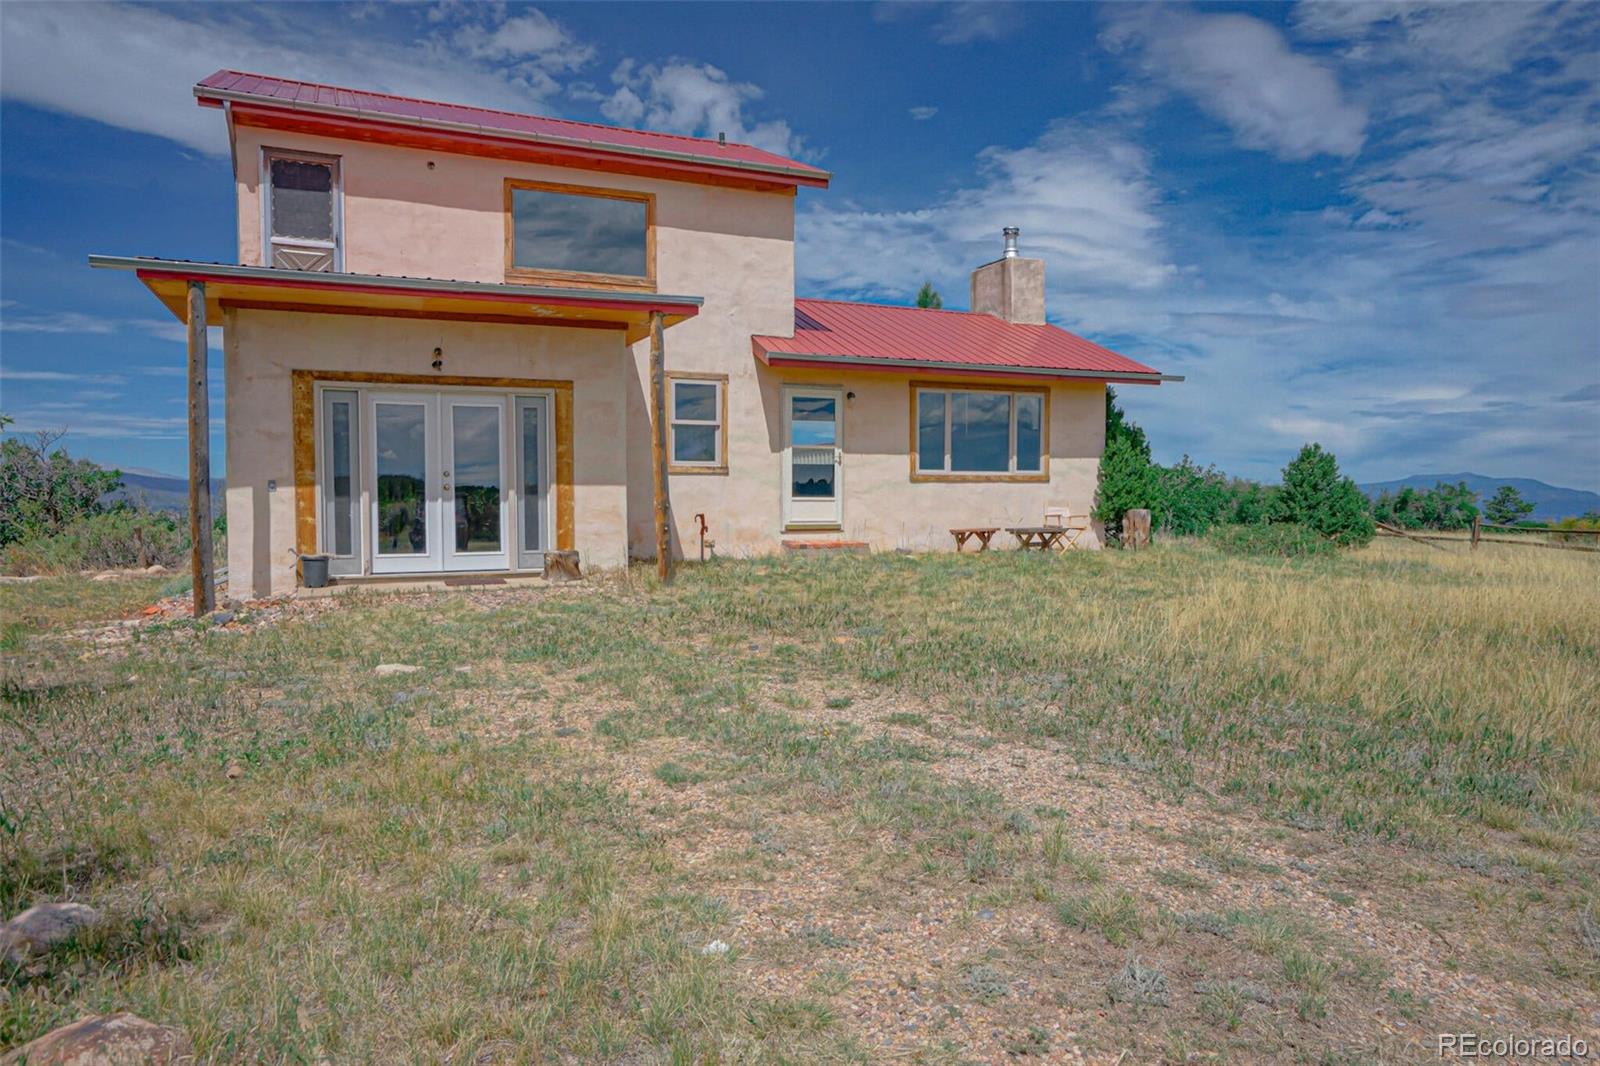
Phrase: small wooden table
[1042,538]
[983,533]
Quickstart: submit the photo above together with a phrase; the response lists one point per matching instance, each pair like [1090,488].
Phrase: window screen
[302,199]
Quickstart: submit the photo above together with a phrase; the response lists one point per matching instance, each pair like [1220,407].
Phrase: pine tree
[928,296]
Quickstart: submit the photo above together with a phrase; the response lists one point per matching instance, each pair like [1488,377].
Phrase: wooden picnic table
[1042,538]
[982,533]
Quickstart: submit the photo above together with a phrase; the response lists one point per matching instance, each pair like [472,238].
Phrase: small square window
[697,431]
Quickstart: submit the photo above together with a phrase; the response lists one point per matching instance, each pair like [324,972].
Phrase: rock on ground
[106,1040]
[41,927]
[385,669]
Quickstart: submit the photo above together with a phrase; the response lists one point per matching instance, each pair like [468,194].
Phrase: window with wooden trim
[697,426]
[569,233]
[302,216]
[979,432]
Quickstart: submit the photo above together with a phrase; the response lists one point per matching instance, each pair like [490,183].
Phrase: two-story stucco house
[441,332]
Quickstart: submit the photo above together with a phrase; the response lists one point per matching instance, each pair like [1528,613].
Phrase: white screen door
[812,457]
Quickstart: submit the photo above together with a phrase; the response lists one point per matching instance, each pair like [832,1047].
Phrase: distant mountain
[1551,503]
[160,492]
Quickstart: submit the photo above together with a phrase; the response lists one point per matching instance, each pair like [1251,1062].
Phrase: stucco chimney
[1011,287]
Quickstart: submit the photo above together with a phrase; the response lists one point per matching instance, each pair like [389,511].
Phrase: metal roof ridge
[475,107]
[788,167]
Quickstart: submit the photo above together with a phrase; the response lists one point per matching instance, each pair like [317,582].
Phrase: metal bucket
[314,571]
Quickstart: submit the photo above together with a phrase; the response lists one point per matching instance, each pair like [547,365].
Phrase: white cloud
[1083,199]
[923,114]
[56,322]
[1241,71]
[62,377]
[134,66]
[166,329]
[958,23]
[695,99]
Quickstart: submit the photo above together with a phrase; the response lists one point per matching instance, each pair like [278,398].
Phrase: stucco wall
[261,348]
[882,505]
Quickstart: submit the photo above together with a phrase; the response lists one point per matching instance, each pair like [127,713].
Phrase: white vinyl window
[697,429]
[302,216]
[979,431]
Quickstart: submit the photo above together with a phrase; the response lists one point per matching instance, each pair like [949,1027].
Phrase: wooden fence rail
[1475,536]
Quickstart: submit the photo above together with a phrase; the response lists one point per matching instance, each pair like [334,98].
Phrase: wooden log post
[1477,531]
[205,596]
[658,449]
[1136,528]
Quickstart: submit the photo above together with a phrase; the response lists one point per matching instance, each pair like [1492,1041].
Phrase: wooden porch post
[658,448]
[205,597]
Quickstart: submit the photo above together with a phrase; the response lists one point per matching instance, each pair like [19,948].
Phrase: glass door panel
[473,486]
[405,498]
[340,481]
[812,458]
[533,474]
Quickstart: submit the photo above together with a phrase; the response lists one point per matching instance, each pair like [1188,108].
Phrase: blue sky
[1374,225]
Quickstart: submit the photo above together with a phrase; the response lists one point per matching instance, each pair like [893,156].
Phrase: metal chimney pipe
[1012,233]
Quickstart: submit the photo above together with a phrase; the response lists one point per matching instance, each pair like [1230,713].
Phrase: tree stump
[1136,528]
[561,567]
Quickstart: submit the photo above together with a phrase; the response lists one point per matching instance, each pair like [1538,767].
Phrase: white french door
[452,480]
[812,457]
[403,430]
[472,497]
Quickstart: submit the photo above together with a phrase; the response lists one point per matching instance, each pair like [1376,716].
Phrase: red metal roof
[486,123]
[838,333]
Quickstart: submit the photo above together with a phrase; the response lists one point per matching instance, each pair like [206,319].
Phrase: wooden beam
[205,595]
[658,448]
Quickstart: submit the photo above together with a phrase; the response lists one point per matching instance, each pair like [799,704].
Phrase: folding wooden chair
[1076,525]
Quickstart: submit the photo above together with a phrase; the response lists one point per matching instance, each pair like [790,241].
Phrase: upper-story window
[302,217]
[567,233]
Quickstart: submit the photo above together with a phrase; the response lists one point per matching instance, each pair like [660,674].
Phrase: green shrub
[1252,503]
[1284,539]
[1190,499]
[1127,481]
[1441,507]
[105,541]
[43,489]
[1315,495]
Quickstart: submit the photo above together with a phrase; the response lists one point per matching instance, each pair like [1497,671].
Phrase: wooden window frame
[336,164]
[947,387]
[578,278]
[721,464]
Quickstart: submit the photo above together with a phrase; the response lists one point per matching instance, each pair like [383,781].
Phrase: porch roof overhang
[229,286]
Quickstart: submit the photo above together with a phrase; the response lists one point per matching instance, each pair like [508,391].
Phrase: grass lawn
[938,808]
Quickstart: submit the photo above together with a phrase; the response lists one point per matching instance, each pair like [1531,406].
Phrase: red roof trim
[284,97]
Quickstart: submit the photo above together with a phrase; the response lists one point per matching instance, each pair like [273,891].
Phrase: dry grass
[945,808]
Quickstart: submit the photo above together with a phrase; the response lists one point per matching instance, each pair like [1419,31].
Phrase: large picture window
[697,408]
[975,433]
[559,232]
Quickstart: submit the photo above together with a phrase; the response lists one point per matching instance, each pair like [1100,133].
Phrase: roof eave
[807,176]
[775,357]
